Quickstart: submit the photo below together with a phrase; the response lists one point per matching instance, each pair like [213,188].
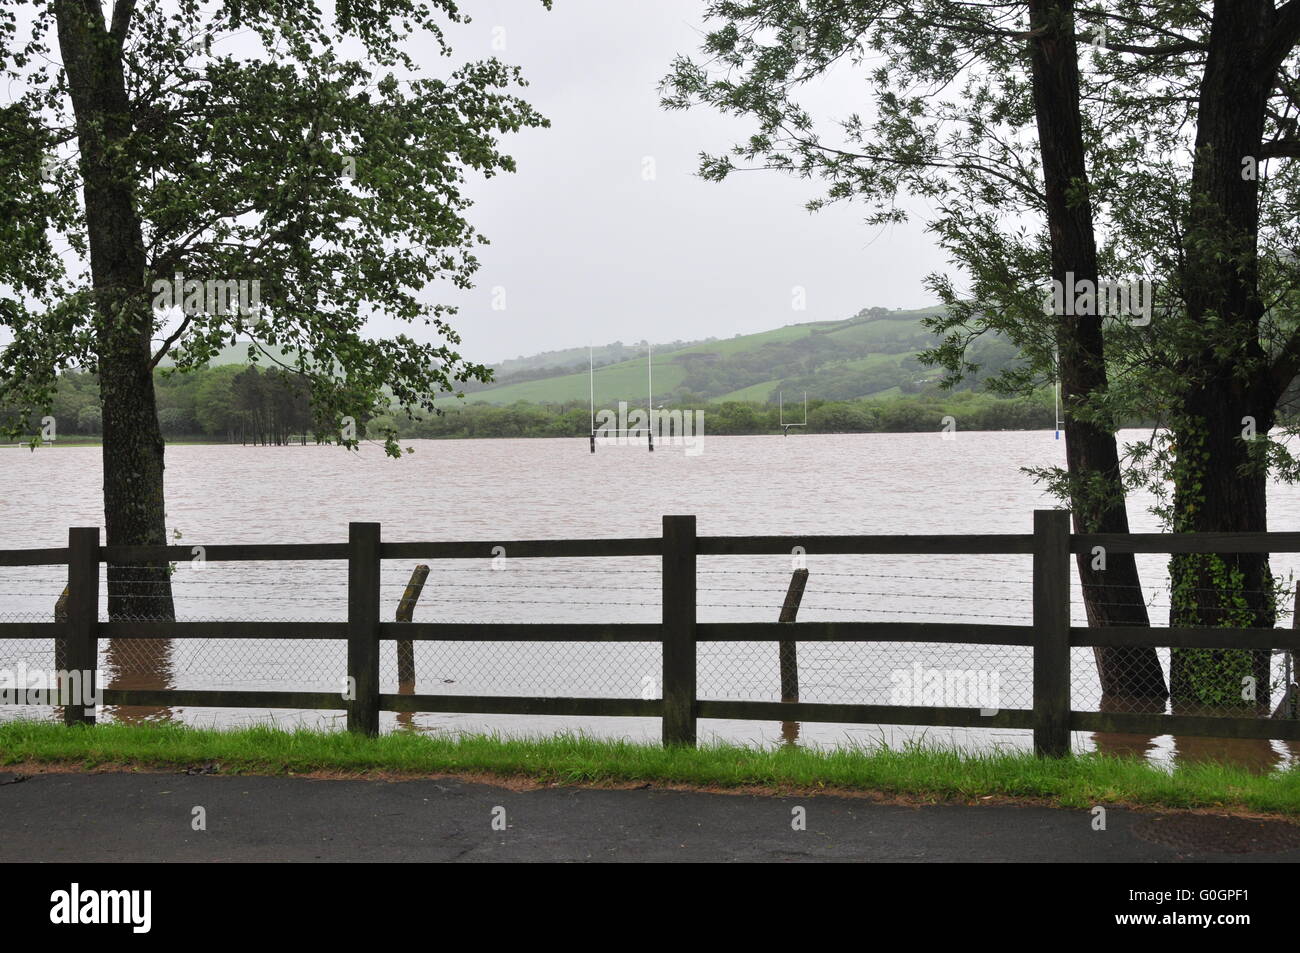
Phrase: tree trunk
[133,444]
[1219,484]
[1112,592]
[1218,489]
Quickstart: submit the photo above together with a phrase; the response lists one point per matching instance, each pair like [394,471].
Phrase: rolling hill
[871,353]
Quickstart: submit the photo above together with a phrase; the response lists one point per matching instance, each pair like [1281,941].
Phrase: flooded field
[521,489]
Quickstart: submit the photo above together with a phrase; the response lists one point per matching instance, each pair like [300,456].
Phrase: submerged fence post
[788,652]
[1051,633]
[787,649]
[1291,693]
[405,613]
[1289,706]
[61,644]
[80,653]
[363,627]
[679,630]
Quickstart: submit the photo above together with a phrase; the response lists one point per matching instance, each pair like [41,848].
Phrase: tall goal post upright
[780,403]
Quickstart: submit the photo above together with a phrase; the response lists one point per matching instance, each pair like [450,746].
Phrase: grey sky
[585,249]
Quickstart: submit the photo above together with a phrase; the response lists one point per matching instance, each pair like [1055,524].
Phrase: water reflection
[1126,745]
[1252,754]
[139,665]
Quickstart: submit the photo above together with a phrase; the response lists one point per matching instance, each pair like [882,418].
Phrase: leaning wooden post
[81,647]
[788,650]
[1052,633]
[679,630]
[363,628]
[406,612]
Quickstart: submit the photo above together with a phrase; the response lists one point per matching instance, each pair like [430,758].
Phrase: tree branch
[169,341]
[123,10]
[1283,39]
[1279,149]
[1287,365]
[1168,49]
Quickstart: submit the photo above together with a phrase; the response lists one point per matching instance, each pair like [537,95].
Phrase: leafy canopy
[270,142]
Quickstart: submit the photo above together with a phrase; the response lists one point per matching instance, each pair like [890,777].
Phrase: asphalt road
[120,817]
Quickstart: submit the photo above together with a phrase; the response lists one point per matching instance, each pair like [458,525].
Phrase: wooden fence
[1050,635]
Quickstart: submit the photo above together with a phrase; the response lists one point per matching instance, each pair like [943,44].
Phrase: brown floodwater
[519,489]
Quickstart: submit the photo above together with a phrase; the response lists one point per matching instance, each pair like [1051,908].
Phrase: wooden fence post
[1289,706]
[787,649]
[1051,633]
[788,652]
[81,647]
[679,630]
[61,644]
[363,627]
[405,613]
[1291,694]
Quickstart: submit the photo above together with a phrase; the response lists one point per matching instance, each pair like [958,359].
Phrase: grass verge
[924,773]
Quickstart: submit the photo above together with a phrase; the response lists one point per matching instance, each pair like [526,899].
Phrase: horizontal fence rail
[1050,636]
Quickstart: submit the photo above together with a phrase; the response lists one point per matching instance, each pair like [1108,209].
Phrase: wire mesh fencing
[1220,680]
[992,590]
[956,590]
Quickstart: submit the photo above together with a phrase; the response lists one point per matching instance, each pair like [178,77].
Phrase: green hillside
[755,392]
[623,381]
[576,358]
[873,352]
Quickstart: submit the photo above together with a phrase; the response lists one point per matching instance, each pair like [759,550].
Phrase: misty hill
[568,360]
[873,353]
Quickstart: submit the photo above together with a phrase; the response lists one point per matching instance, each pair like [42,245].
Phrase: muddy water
[502,489]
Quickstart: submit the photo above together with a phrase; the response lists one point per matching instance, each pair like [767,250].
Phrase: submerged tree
[961,91]
[1201,190]
[1179,172]
[175,178]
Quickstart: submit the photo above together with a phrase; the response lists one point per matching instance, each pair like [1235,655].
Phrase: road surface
[118,817]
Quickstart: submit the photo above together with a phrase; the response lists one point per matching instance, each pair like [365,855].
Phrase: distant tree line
[925,412]
[231,403]
[270,406]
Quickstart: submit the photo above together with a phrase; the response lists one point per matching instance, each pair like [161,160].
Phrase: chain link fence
[934,589]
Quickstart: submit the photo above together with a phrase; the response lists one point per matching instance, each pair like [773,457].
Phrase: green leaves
[266,144]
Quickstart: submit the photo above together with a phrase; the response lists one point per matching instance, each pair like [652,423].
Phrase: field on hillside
[862,356]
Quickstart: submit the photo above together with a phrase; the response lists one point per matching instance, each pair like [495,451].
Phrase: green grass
[923,772]
[627,380]
[614,382]
[758,393]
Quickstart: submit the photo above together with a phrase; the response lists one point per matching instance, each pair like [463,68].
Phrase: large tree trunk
[1219,489]
[133,444]
[1113,594]
[1219,484]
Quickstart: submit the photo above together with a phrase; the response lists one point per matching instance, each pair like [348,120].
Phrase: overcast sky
[587,250]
